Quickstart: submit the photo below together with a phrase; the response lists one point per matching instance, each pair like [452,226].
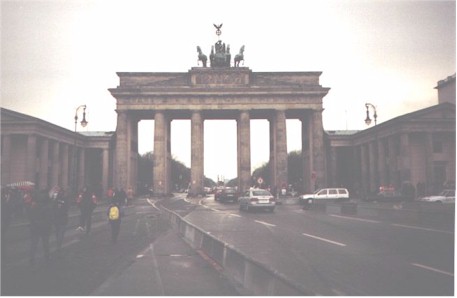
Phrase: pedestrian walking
[114,218]
[40,224]
[120,196]
[129,195]
[87,202]
[7,211]
[60,210]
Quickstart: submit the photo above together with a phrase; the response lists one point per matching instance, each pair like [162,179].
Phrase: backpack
[113,213]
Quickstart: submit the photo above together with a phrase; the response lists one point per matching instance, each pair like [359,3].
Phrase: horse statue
[201,57]
[239,57]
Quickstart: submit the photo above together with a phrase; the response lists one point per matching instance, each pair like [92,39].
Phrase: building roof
[341,132]
[97,133]
[446,81]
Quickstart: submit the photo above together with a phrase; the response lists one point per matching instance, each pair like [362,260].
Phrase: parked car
[386,194]
[446,196]
[257,199]
[226,194]
[325,194]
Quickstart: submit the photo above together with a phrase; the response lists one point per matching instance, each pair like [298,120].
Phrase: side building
[417,149]
[48,155]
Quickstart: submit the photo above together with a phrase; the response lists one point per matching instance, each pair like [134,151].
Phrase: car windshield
[261,193]
[447,193]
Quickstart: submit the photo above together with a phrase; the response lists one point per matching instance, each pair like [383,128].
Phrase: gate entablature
[219,89]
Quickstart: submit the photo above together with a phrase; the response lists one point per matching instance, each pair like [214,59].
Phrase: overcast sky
[57,55]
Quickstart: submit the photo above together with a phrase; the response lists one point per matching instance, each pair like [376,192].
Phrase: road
[335,254]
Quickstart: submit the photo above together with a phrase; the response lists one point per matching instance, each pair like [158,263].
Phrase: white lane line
[355,218]
[236,215]
[265,223]
[323,239]
[420,228]
[432,269]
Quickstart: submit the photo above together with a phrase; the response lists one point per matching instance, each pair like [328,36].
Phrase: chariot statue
[220,53]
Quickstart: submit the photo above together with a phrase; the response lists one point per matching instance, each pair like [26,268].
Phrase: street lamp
[375,116]
[83,124]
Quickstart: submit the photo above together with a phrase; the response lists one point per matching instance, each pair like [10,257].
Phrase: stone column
[122,150]
[333,166]
[381,163]
[364,169]
[31,158]
[372,159]
[429,170]
[318,149]
[244,151]
[405,155]
[105,170]
[55,164]
[307,154]
[197,154]
[81,164]
[133,155]
[6,159]
[392,162]
[161,167]
[44,160]
[65,162]
[278,150]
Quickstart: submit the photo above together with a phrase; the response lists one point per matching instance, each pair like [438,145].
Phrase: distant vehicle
[226,194]
[386,194]
[257,199]
[325,194]
[446,196]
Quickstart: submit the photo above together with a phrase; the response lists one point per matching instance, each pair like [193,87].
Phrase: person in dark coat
[120,196]
[87,205]
[7,211]
[41,219]
[60,208]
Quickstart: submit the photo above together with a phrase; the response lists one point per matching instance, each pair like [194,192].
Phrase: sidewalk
[168,267]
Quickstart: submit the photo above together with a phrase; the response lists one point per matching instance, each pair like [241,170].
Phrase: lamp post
[375,152]
[375,116]
[83,124]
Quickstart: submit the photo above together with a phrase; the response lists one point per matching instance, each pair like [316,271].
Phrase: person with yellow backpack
[114,217]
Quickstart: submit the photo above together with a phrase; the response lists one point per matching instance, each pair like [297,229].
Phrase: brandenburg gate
[220,91]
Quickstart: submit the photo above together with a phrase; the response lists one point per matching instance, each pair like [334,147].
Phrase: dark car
[226,194]
[386,194]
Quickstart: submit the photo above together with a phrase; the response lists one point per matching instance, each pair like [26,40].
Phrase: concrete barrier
[250,276]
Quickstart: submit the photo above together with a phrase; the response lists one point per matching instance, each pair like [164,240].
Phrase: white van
[325,194]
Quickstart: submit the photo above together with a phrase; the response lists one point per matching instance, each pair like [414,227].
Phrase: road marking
[432,269]
[323,239]
[355,218]
[265,223]
[152,203]
[420,228]
[236,215]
